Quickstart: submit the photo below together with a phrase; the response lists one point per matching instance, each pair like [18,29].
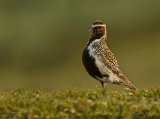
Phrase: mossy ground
[76,103]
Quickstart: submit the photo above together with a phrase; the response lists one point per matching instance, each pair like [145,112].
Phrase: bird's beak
[90,31]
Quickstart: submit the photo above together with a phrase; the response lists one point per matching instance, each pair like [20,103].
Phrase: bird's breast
[95,52]
[89,61]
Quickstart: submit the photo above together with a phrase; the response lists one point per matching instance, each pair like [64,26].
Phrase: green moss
[75,103]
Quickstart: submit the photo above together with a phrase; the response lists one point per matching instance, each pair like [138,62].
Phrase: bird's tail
[128,84]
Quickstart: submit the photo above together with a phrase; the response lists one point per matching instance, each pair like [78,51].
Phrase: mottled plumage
[99,61]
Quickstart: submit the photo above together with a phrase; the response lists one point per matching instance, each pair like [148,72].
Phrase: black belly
[89,64]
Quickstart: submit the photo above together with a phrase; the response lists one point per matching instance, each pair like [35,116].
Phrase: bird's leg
[103,89]
[102,83]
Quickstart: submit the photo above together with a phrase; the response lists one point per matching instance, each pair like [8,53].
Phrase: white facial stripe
[98,25]
[103,25]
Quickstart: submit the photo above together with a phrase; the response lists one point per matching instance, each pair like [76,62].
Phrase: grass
[80,104]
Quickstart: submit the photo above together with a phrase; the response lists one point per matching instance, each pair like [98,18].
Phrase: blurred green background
[41,41]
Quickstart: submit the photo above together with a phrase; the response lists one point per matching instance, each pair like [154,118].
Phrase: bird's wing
[109,56]
[111,62]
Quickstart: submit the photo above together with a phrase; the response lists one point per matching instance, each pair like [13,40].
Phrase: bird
[99,61]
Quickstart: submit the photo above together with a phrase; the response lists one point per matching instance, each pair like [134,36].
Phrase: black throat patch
[89,64]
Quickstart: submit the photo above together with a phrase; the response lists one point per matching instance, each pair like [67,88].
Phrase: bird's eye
[96,28]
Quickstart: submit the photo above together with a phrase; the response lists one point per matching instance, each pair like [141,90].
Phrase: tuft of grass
[80,104]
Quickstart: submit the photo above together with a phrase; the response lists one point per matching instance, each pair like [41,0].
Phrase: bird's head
[98,29]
